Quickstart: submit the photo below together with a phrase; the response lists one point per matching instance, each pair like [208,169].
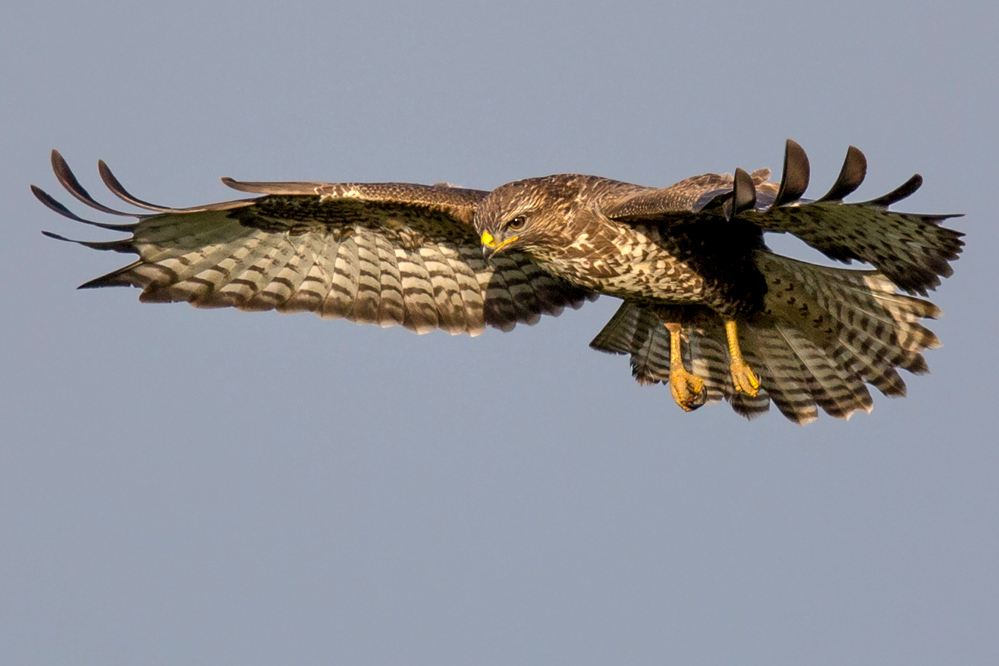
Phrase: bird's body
[707,263]
[699,286]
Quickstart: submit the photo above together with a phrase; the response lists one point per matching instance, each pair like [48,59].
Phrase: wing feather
[385,253]
[445,290]
[391,307]
[340,273]
[367,298]
[304,296]
[418,294]
[271,288]
[912,250]
[468,294]
[216,286]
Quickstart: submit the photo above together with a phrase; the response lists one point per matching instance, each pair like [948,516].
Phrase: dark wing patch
[390,254]
[912,250]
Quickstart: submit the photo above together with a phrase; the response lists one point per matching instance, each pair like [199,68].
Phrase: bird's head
[525,215]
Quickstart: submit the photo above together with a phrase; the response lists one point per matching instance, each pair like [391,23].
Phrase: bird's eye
[517,222]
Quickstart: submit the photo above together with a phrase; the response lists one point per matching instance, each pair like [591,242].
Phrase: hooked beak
[491,247]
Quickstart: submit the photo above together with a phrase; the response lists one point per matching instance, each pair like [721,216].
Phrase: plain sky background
[213,487]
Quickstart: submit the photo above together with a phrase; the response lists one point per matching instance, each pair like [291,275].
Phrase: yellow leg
[687,388]
[742,375]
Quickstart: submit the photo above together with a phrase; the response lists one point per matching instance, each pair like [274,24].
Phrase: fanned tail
[638,331]
[824,334]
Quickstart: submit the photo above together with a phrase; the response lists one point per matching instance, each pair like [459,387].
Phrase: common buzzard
[707,307]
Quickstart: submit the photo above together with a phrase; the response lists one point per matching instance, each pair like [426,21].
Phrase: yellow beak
[491,247]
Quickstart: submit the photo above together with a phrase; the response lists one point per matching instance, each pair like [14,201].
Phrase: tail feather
[863,300]
[618,335]
[825,333]
[884,377]
[781,372]
[709,361]
[836,390]
[751,406]
[651,363]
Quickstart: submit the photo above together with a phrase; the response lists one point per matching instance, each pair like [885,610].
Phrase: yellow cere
[488,240]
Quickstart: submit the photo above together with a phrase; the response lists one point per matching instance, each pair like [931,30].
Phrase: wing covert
[386,253]
[912,250]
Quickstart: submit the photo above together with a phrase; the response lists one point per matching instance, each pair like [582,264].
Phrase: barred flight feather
[363,304]
[369,255]
[301,297]
[467,296]
[709,362]
[782,373]
[335,279]
[391,305]
[879,373]
[651,361]
[827,386]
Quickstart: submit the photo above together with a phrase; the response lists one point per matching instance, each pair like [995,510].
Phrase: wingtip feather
[794,179]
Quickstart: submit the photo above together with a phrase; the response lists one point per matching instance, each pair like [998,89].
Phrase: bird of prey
[706,307]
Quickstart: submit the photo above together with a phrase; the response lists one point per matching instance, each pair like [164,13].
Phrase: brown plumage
[688,261]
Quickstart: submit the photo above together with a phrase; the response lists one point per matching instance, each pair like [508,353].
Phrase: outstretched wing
[388,253]
[911,250]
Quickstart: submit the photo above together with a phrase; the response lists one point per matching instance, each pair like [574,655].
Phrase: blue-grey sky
[185,486]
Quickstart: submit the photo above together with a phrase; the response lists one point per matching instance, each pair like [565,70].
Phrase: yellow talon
[743,378]
[686,387]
